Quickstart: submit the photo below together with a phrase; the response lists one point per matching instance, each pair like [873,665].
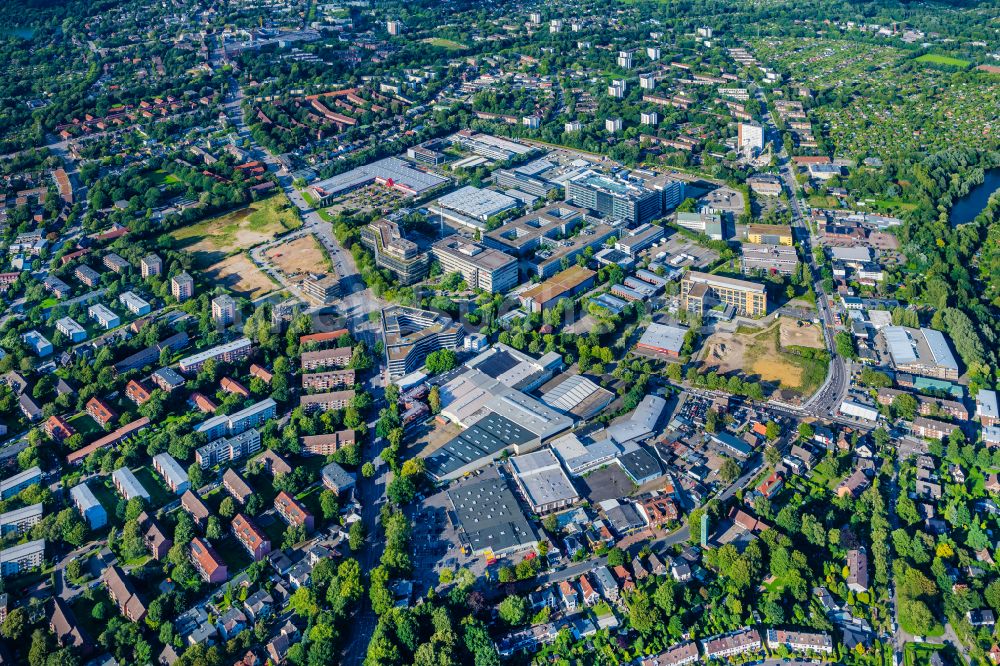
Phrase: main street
[826,401]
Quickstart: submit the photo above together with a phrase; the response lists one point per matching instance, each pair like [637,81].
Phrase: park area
[296,258]
[212,240]
[789,354]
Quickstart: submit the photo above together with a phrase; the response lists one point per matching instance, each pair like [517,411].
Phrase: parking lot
[435,543]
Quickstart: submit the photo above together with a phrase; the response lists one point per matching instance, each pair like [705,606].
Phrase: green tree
[730,470]
[513,610]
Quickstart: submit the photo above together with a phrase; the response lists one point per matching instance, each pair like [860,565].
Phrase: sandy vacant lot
[241,275]
[297,257]
[762,354]
[795,333]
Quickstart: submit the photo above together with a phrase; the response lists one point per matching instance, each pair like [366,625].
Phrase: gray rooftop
[489,515]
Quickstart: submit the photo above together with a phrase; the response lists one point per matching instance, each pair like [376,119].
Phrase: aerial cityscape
[383,333]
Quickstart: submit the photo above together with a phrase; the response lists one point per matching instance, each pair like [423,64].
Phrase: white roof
[851,253]
[986,404]
[477,203]
[938,345]
[542,478]
[570,393]
[880,318]
[900,345]
[84,497]
[663,336]
[641,423]
[129,484]
[171,469]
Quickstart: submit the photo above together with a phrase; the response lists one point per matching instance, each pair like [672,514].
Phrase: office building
[702,291]
[21,558]
[614,199]
[473,207]
[636,240]
[323,288]
[86,503]
[543,238]
[182,286]
[769,234]
[769,259]
[227,353]
[411,334]
[704,222]
[150,265]
[173,474]
[481,267]
[72,330]
[525,178]
[237,422]
[394,253]
[223,310]
[569,283]
[226,449]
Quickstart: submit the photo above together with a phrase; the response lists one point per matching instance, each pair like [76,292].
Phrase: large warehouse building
[391,172]
[920,352]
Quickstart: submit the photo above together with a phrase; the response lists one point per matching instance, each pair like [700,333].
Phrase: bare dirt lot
[768,355]
[240,274]
[297,257]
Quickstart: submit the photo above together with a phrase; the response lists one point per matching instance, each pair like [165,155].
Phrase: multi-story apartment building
[326,401]
[324,381]
[87,275]
[223,310]
[225,449]
[173,474]
[325,358]
[100,411]
[72,330]
[128,485]
[700,291]
[114,262]
[237,422]
[89,507]
[411,334]
[103,316]
[292,511]
[150,265]
[58,428]
[732,644]
[20,520]
[250,537]
[137,392]
[799,641]
[208,563]
[328,444]
[394,253]
[481,267]
[23,557]
[134,304]
[182,286]
[15,484]
[228,353]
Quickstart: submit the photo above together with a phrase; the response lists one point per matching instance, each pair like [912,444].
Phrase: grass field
[159,494]
[444,43]
[211,240]
[161,177]
[935,59]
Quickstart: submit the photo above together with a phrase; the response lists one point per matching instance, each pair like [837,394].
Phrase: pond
[968,207]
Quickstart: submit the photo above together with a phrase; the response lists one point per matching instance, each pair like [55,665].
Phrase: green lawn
[159,494]
[943,60]
[310,199]
[444,43]
[107,497]
[161,177]
[236,557]
[241,229]
[86,426]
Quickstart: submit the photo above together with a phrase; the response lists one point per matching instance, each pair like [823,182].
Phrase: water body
[968,207]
